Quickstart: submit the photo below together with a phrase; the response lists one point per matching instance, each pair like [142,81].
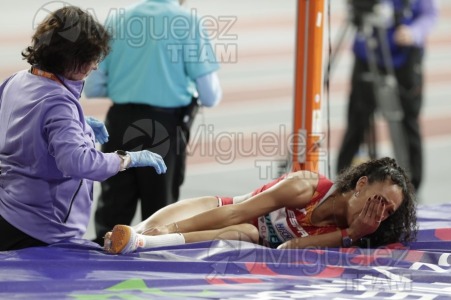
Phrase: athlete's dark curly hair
[401,225]
[66,41]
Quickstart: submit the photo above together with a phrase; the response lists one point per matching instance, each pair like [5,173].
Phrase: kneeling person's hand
[145,158]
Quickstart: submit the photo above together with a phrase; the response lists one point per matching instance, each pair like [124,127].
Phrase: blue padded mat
[236,270]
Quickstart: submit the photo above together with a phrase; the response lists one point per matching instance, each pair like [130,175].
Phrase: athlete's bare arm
[294,191]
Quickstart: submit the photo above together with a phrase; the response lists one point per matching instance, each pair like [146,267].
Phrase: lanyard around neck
[51,76]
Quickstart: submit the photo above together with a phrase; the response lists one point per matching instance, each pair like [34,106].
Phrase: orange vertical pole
[308,85]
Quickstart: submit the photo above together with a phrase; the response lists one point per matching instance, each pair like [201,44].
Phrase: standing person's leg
[154,189]
[182,135]
[360,108]
[115,205]
[410,79]
[157,191]
[119,194]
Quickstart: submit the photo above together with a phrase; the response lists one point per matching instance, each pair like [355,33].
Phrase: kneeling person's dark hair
[66,41]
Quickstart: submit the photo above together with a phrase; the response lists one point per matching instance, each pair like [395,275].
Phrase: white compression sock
[153,241]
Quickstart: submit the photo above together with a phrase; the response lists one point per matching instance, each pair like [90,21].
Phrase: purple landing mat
[236,270]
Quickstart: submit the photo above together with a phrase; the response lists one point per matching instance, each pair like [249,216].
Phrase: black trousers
[14,239]
[362,104]
[134,127]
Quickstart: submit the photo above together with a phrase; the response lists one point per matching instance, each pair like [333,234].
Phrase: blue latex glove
[145,158]
[99,129]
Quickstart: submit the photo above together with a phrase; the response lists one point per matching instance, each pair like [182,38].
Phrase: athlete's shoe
[123,239]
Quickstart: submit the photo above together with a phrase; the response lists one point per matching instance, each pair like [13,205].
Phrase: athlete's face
[390,194]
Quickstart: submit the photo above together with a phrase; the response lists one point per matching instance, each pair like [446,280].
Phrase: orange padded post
[308,85]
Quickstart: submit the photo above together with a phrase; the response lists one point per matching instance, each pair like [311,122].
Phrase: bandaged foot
[124,239]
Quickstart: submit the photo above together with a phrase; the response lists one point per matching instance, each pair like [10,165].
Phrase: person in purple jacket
[406,31]
[48,159]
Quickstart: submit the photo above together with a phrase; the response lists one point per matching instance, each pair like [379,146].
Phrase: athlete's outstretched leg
[124,239]
[178,211]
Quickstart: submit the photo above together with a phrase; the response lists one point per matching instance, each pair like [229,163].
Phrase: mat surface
[236,270]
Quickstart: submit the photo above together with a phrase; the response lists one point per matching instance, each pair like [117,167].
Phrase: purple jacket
[423,16]
[48,159]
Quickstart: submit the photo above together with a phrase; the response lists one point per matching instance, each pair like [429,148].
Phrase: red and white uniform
[288,223]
